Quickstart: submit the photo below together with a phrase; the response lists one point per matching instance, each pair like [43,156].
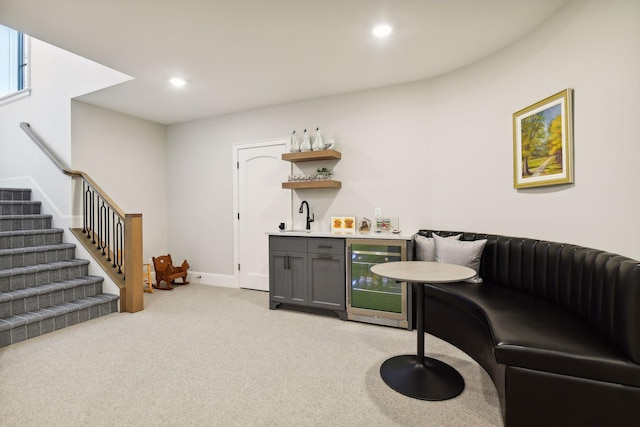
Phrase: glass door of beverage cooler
[372,298]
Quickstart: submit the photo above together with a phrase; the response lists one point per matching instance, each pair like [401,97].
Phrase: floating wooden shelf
[298,185]
[309,156]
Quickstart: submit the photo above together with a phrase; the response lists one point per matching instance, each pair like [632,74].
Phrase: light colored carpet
[211,356]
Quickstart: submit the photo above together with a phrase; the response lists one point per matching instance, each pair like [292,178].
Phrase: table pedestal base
[433,380]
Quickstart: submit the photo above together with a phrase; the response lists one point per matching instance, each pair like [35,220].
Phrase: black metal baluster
[108,235]
[84,206]
[115,239]
[98,231]
[119,245]
[102,226]
[93,218]
[87,207]
[124,276]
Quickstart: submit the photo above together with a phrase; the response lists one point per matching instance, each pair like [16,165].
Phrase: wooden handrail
[129,246]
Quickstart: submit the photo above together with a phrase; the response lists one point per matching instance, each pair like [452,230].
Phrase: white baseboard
[223,280]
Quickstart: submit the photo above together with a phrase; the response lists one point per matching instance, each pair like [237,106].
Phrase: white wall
[438,153]
[56,77]
[125,155]
[592,47]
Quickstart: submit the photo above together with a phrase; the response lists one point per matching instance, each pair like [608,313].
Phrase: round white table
[419,376]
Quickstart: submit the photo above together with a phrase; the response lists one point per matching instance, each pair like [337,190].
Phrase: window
[14,70]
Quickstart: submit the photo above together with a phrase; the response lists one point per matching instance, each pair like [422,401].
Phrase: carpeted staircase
[43,288]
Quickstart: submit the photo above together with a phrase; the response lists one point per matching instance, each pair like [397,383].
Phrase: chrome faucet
[311,218]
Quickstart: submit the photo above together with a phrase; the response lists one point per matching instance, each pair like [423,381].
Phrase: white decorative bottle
[318,144]
[306,142]
[294,147]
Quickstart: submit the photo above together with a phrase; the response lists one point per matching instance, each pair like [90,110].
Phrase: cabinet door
[278,277]
[288,277]
[298,278]
[326,281]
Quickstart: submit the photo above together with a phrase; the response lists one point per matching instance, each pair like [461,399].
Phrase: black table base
[418,376]
[431,380]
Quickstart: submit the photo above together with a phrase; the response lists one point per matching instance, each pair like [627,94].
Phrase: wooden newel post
[133,298]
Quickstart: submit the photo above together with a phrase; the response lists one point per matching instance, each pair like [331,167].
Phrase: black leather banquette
[556,326]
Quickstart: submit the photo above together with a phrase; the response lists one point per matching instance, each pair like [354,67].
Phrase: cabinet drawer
[323,245]
[288,244]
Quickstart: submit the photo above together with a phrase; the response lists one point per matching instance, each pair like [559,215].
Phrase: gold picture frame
[543,142]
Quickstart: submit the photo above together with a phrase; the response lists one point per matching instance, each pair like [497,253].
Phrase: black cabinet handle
[325,246]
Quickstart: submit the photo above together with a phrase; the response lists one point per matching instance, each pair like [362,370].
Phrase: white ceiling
[243,54]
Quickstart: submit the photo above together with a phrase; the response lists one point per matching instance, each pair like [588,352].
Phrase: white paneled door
[262,204]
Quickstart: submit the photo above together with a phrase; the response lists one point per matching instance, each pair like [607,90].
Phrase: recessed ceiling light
[177,82]
[382,30]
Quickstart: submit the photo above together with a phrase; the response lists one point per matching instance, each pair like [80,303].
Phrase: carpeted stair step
[15,194]
[24,222]
[16,303]
[28,238]
[14,329]
[43,287]
[13,279]
[19,207]
[24,257]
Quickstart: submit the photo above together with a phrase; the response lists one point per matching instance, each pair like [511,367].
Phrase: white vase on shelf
[294,146]
[306,142]
[318,143]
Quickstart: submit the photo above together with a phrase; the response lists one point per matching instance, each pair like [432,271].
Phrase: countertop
[312,233]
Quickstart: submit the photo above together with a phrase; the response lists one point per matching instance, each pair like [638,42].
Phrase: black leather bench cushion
[531,333]
[600,288]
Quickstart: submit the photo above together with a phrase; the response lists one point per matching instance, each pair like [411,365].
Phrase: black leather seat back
[601,288]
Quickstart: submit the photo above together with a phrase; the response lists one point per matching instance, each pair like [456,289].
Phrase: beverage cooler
[372,298]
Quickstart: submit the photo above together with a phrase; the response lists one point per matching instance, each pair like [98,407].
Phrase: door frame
[236,147]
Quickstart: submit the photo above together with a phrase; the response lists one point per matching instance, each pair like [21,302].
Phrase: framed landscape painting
[543,142]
